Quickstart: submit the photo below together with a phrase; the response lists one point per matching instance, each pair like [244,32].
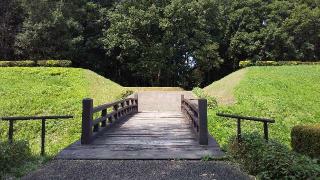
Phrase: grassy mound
[50,91]
[289,94]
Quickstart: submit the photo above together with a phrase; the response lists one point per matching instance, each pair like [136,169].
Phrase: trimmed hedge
[247,63]
[26,63]
[32,63]
[271,160]
[13,155]
[305,139]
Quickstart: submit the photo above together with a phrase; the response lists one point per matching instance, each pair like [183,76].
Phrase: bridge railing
[92,126]
[32,118]
[265,122]
[197,114]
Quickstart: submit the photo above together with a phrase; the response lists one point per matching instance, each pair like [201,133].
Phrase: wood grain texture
[145,135]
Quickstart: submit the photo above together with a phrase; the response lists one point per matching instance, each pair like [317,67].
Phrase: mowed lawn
[289,94]
[50,91]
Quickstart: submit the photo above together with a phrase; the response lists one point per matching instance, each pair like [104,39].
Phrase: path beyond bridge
[155,125]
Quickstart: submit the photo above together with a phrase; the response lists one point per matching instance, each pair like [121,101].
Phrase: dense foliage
[163,43]
[271,160]
[13,155]
[306,139]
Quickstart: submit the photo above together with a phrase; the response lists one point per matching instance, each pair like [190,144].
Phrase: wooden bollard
[87,118]
[203,122]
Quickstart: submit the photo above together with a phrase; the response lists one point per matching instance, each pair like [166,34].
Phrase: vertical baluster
[115,107]
[122,110]
[104,114]
[182,99]
[96,127]
[136,102]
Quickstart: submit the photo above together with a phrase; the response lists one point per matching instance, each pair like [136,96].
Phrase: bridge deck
[146,135]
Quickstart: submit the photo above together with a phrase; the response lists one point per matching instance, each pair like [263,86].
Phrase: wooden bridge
[147,125]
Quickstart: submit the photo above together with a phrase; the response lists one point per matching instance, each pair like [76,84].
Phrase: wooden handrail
[24,118]
[192,105]
[43,126]
[265,122]
[108,105]
[91,127]
[246,117]
[198,117]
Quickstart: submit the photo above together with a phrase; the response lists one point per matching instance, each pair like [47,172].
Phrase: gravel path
[136,169]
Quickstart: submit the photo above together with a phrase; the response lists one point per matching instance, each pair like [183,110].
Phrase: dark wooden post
[265,129]
[115,108]
[136,102]
[87,118]
[203,124]
[182,99]
[96,128]
[122,111]
[43,136]
[239,130]
[103,114]
[10,133]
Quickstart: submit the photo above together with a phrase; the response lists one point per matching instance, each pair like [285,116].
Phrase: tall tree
[48,32]
[11,18]
[303,29]
[153,39]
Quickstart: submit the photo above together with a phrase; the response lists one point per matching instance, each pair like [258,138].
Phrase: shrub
[54,63]
[271,160]
[212,102]
[13,155]
[26,63]
[125,94]
[31,63]
[247,63]
[266,63]
[305,139]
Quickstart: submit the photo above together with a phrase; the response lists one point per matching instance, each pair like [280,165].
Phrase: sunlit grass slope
[50,91]
[289,94]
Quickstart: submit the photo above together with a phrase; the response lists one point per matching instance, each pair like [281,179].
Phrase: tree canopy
[160,43]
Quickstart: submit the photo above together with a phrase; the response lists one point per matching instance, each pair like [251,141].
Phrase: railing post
[103,114]
[265,129]
[203,124]
[43,136]
[10,133]
[87,118]
[136,102]
[182,99]
[116,115]
[239,130]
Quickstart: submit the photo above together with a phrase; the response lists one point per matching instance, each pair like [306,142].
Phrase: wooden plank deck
[145,135]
